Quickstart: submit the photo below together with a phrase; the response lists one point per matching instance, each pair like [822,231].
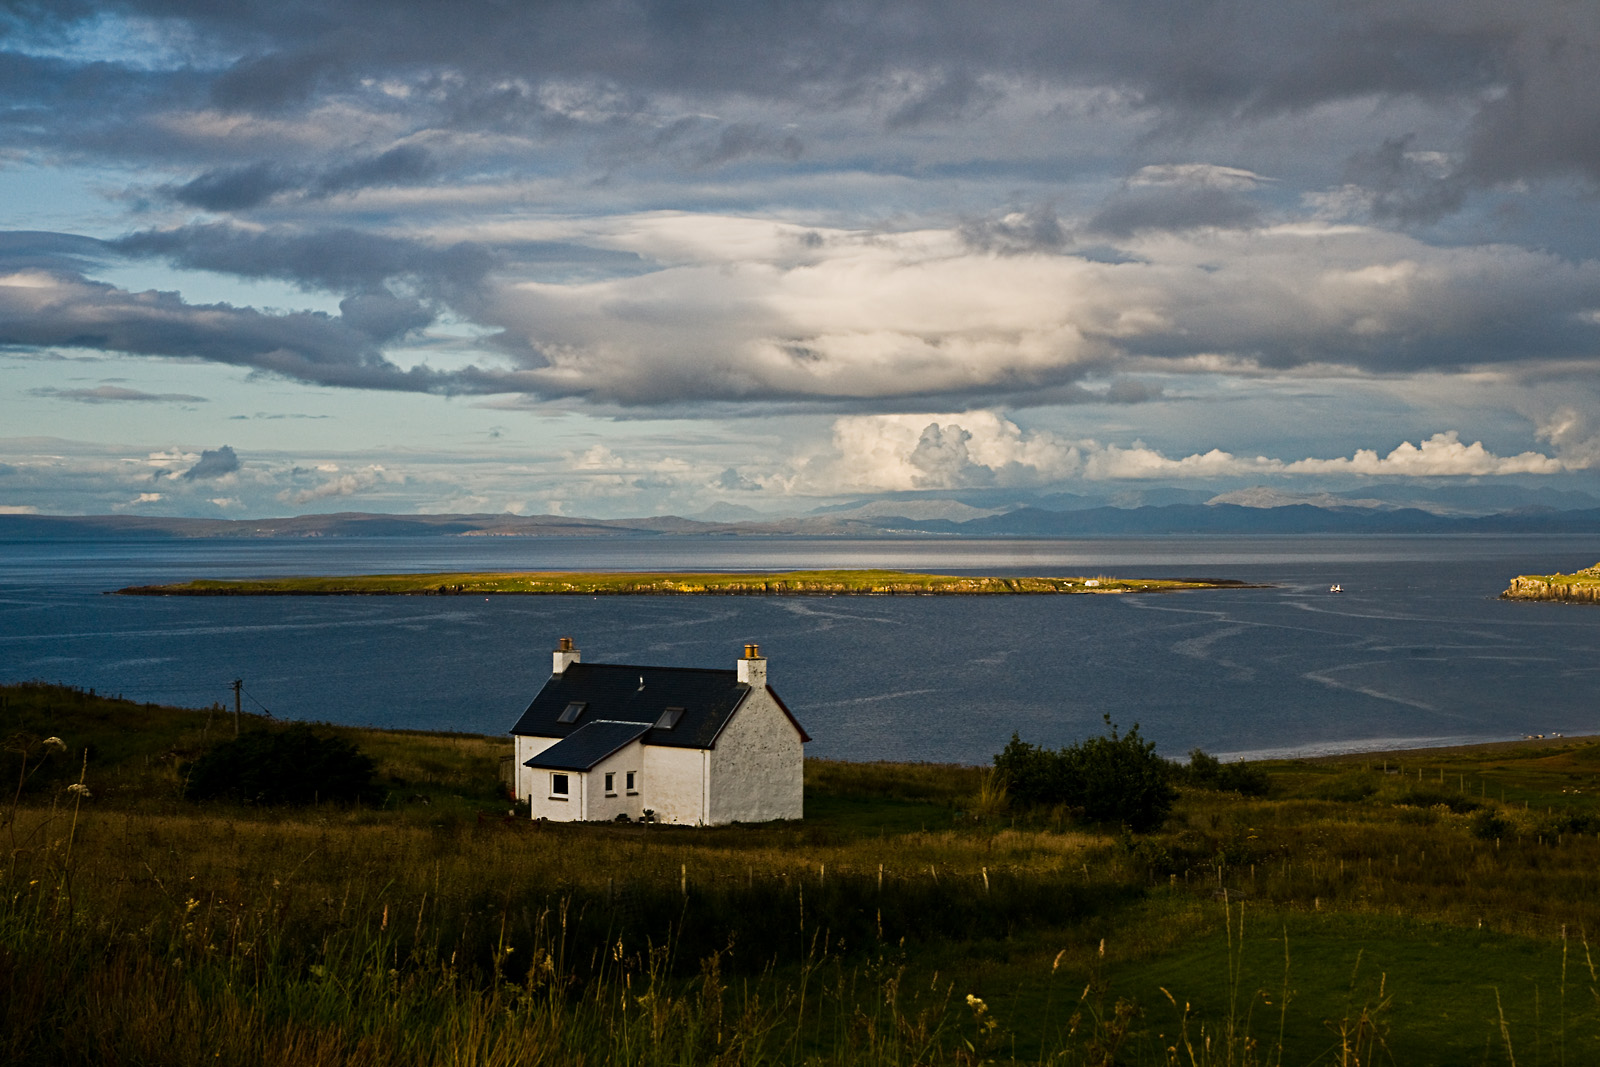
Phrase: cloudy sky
[622,258]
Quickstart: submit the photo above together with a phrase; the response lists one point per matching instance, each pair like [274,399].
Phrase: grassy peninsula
[1583,585]
[1431,907]
[586,583]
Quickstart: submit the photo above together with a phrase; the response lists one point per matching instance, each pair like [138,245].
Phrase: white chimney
[753,668]
[564,657]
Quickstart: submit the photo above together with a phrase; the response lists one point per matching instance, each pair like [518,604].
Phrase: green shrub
[1346,789]
[1109,779]
[1427,798]
[293,765]
[1208,772]
[1033,775]
[1489,824]
[1573,822]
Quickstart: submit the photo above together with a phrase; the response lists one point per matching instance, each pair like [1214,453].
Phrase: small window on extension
[571,712]
[669,718]
[558,786]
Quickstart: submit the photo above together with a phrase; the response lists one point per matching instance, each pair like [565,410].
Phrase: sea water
[1417,650]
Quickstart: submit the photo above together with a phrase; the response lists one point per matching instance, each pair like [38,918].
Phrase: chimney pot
[564,656]
[753,667]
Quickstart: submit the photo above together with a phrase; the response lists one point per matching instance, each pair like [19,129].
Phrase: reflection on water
[1416,651]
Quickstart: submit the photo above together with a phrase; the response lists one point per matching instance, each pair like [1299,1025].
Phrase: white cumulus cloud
[742,309]
[347,484]
[904,452]
[1443,454]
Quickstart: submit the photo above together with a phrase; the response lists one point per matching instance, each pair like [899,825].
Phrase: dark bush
[1346,789]
[1032,774]
[1489,824]
[1208,772]
[1109,779]
[1427,798]
[293,765]
[1573,822]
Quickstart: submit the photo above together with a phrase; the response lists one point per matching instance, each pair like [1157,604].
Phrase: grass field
[789,583]
[1416,908]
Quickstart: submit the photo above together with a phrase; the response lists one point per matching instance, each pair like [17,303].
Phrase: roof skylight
[669,718]
[571,712]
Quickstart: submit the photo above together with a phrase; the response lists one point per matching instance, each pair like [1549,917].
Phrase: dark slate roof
[587,745]
[612,691]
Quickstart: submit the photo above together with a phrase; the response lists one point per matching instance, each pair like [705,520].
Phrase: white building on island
[689,745]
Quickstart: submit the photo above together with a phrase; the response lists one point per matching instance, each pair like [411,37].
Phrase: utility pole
[238,688]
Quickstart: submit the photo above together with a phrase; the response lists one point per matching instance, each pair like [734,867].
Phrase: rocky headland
[1582,586]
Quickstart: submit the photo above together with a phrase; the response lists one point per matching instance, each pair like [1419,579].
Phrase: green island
[1584,585]
[1423,907]
[585,583]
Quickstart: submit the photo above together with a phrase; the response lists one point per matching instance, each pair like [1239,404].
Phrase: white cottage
[690,745]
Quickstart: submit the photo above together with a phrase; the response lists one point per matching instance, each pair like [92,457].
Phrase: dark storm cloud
[1036,229]
[239,188]
[100,108]
[1172,208]
[1524,71]
[740,140]
[1404,188]
[1221,55]
[1129,391]
[383,316]
[530,112]
[335,258]
[405,165]
[116,394]
[234,188]
[214,463]
[43,250]
[953,95]
[277,80]
[73,312]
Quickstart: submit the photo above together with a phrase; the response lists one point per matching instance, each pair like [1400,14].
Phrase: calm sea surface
[1416,651]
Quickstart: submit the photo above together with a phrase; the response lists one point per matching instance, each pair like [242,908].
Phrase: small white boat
[1336,588]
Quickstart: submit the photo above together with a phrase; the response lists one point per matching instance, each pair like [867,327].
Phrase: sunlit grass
[432,928]
[1580,585]
[789,583]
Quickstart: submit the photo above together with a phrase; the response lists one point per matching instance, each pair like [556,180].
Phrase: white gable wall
[526,749]
[675,784]
[587,800]
[756,770]
[544,805]
[602,808]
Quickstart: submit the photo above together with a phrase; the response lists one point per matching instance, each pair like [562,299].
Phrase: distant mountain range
[877,520]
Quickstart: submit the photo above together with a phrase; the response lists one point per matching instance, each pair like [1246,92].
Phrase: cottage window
[669,718]
[611,784]
[632,790]
[571,712]
[558,787]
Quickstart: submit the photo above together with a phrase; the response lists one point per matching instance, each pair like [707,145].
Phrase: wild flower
[80,790]
[54,742]
[980,1015]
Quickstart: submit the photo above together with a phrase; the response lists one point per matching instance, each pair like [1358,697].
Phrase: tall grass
[915,918]
[185,938]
